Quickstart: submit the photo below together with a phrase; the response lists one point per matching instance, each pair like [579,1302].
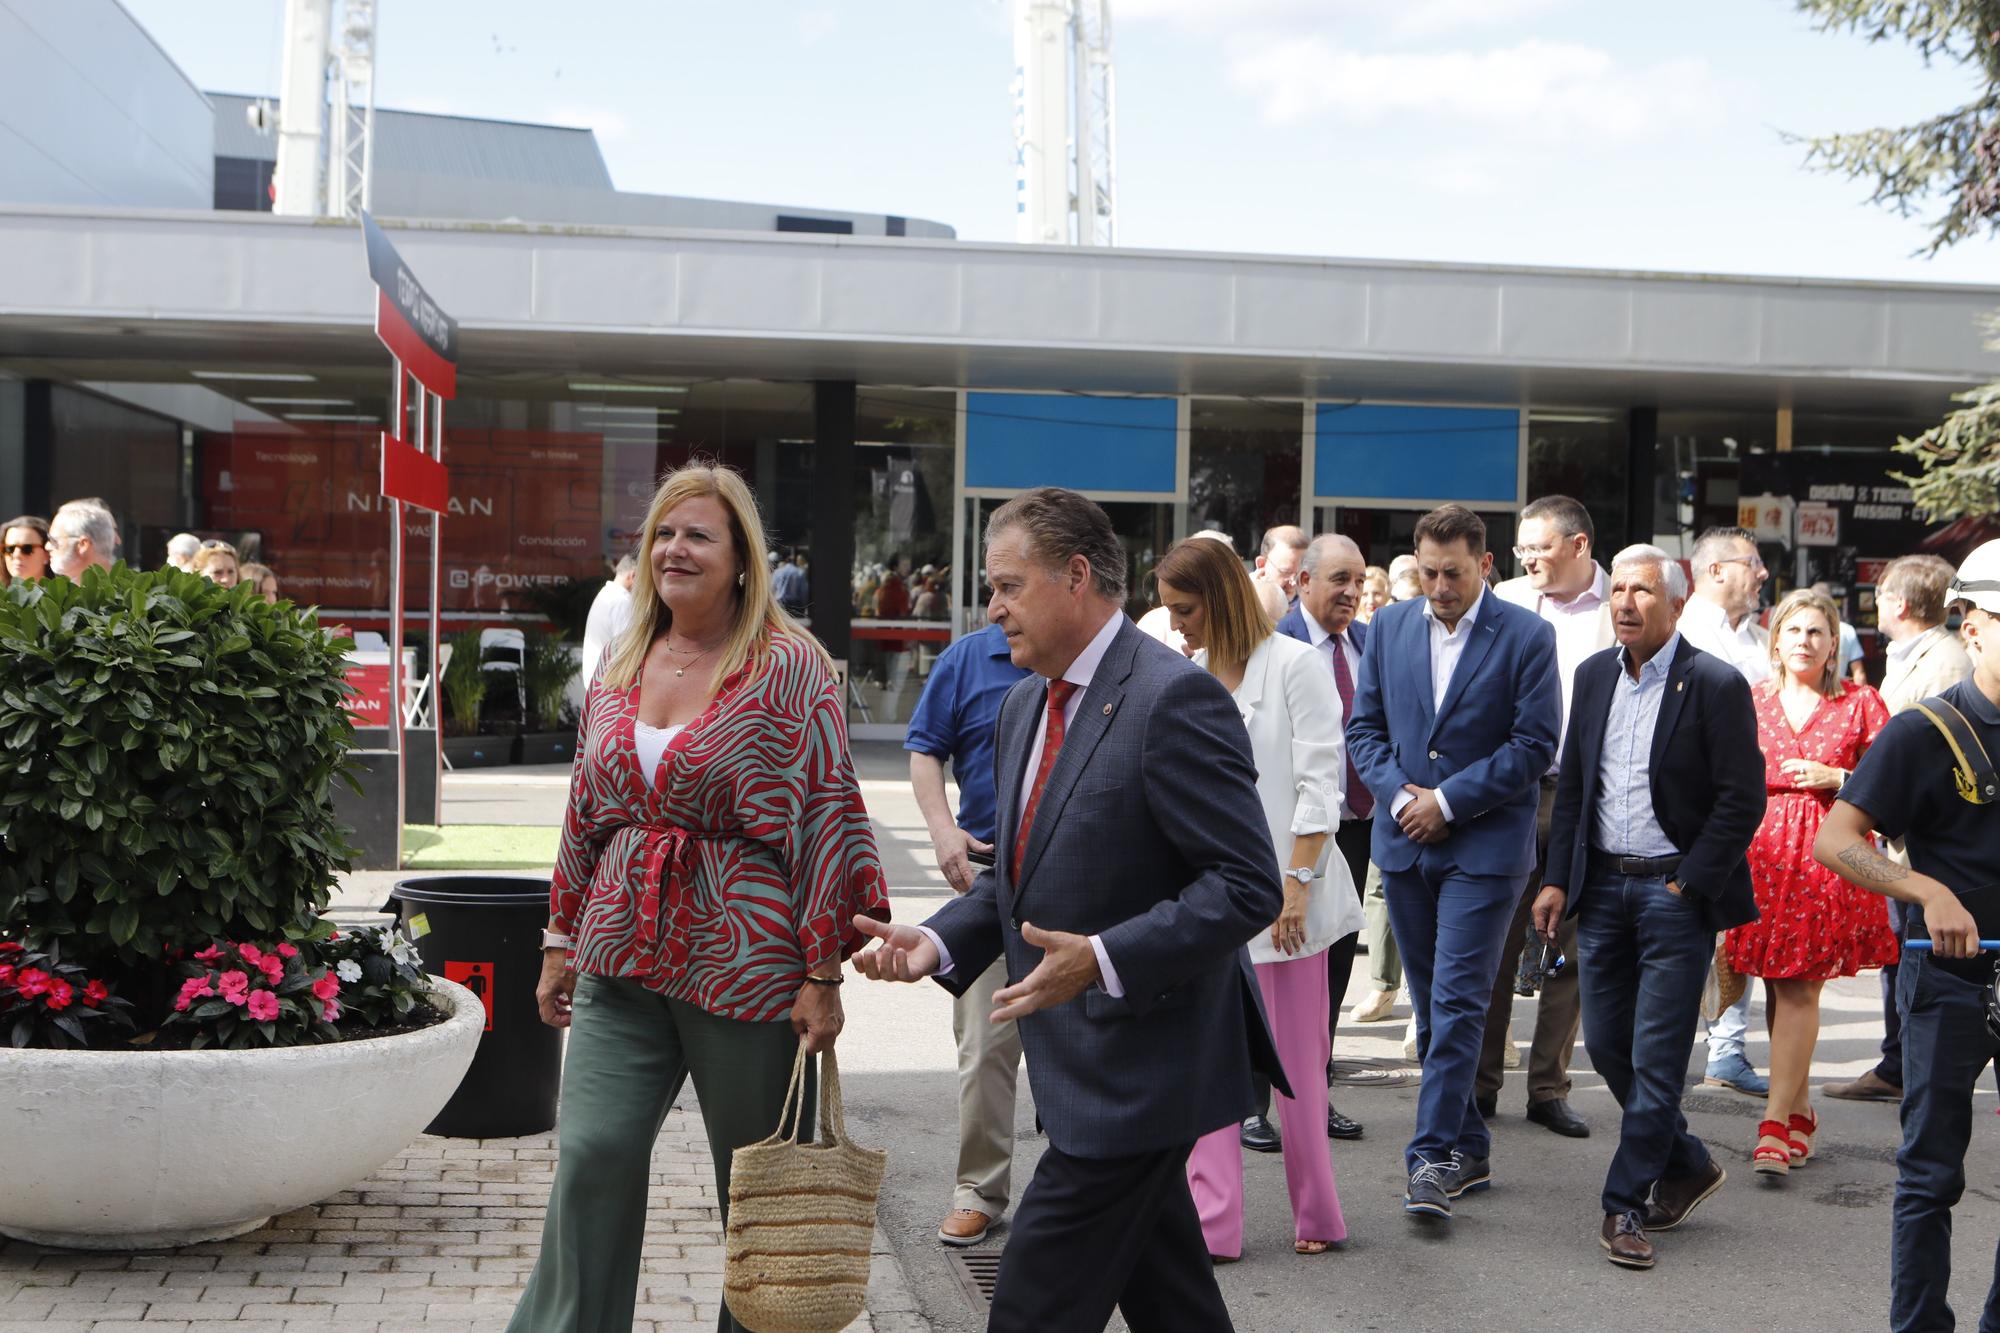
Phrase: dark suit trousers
[1097,1233]
[1556,1012]
[1448,926]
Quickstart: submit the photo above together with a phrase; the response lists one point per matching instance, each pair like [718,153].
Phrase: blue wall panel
[1377,451]
[1018,440]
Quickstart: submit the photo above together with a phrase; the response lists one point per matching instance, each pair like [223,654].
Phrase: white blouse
[651,743]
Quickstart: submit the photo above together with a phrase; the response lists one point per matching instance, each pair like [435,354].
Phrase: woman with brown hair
[1811,925]
[1291,710]
[714,856]
[24,549]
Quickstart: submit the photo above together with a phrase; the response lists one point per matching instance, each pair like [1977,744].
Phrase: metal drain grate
[976,1273]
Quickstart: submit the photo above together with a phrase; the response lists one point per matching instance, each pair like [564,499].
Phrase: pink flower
[6,974]
[263,1006]
[95,993]
[194,988]
[235,987]
[32,981]
[326,987]
[287,950]
[212,954]
[60,994]
[332,1011]
[251,953]
[8,946]
[273,968]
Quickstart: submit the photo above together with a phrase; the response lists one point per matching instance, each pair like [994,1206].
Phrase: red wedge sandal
[1773,1154]
[1799,1133]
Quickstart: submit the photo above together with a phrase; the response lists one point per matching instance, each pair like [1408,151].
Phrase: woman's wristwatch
[1303,874]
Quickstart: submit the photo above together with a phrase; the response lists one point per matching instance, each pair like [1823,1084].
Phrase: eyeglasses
[22,548]
[1533,552]
[1753,561]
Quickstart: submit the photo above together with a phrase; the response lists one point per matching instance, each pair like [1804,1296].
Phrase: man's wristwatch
[1303,874]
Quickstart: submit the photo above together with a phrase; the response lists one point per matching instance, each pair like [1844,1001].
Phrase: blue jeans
[1945,1048]
[1449,928]
[1645,957]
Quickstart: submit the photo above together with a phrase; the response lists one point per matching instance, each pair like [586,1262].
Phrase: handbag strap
[1973,772]
[832,1117]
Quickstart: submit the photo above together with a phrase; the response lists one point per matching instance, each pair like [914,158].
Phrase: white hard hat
[1978,579]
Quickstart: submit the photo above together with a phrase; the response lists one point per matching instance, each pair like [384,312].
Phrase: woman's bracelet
[834,980]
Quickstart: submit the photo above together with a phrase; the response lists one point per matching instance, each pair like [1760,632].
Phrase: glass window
[1698,468]
[1244,461]
[904,442]
[1384,534]
[1581,455]
[1145,528]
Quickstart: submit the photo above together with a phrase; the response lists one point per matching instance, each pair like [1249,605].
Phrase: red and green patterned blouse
[740,864]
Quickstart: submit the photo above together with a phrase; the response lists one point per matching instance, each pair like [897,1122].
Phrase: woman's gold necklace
[681,671]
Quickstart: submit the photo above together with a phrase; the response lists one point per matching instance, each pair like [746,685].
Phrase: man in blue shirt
[955,719]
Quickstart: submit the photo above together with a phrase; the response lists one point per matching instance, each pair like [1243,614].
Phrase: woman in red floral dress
[1811,925]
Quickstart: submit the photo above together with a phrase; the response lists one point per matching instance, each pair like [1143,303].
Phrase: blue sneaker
[1734,1072]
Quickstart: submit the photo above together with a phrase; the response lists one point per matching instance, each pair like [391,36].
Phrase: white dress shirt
[1447,646]
[1326,645]
[1746,647]
[610,613]
[1079,674]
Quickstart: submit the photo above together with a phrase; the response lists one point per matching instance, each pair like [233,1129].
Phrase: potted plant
[548,666]
[186,1046]
[464,682]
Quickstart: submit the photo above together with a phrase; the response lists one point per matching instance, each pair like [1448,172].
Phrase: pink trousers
[1295,998]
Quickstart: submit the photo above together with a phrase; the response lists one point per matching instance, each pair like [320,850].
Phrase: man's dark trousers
[1890,1068]
[1945,1048]
[1556,1012]
[1351,840]
[1646,955]
[1136,1220]
[1448,927]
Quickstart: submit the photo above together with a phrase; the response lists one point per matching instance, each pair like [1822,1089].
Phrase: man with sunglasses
[24,545]
[1937,792]
[1721,620]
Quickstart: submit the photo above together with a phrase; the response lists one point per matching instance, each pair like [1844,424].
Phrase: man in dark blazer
[1455,721]
[1132,863]
[1329,587]
[1661,791]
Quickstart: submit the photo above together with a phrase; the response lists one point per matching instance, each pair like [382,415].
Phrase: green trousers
[630,1050]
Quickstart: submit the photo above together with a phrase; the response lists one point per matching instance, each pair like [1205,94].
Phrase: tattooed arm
[1844,847]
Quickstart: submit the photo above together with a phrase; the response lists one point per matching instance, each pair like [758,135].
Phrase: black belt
[1641,867]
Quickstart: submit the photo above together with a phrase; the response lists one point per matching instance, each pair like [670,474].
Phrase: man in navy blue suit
[1455,720]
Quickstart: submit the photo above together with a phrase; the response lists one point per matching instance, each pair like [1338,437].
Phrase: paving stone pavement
[439,1240]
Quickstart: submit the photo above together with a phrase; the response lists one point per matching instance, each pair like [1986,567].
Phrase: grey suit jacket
[1149,835]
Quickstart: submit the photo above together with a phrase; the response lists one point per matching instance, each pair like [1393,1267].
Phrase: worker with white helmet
[1929,779]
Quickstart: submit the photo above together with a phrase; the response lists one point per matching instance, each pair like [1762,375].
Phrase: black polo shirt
[1905,784]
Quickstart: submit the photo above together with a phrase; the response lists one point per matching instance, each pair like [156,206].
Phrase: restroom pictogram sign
[477,978]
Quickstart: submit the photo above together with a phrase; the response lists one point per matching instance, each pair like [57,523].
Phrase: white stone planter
[118,1150]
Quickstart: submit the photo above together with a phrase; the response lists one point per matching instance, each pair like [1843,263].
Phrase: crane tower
[326,115]
[1065,123]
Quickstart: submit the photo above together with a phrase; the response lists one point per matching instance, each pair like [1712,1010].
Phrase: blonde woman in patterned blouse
[713,857]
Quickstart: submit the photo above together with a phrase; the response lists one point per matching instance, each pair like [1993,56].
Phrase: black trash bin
[485,933]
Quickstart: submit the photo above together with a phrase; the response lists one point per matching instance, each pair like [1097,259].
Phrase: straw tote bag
[801,1218]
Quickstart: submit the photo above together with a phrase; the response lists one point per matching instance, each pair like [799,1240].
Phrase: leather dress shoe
[1674,1198]
[1554,1114]
[1339,1126]
[1488,1103]
[964,1226]
[1624,1241]
[1870,1087]
[1260,1135]
[1427,1197]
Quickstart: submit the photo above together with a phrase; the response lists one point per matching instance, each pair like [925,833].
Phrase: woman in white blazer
[1292,713]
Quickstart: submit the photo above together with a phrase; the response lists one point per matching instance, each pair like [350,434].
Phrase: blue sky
[1603,133]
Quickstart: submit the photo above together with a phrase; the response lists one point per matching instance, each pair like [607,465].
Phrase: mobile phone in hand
[980,858]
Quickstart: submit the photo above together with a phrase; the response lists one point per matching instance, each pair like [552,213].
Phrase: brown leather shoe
[1870,1087]
[1673,1199]
[1624,1241]
[964,1226]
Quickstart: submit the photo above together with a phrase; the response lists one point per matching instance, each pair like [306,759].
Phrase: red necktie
[1059,693]
[1359,799]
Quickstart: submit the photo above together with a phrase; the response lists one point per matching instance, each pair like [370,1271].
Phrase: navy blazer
[1150,834]
[1294,626]
[1486,748]
[1707,780]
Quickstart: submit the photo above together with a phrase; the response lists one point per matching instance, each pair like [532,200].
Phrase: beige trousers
[989,1057]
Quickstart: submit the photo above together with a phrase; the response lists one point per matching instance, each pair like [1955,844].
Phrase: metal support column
[832,515]
[1642,486]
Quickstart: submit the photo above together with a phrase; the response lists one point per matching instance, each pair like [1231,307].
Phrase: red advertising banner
[528,510]
[414,477]
[369,705]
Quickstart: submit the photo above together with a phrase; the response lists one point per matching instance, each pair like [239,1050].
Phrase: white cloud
[817,24]
[1401,18]
[1551,89]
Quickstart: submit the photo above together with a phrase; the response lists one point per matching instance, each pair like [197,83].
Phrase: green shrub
[547,668]
[167,753]
[464,683]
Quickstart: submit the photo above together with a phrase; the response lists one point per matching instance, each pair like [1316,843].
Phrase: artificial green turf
[479,847]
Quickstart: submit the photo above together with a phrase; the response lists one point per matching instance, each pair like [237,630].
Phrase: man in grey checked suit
[1131,865]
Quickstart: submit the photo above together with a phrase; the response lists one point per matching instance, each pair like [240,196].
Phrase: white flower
[348,970]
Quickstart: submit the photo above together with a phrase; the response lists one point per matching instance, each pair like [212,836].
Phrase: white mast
[1065,130]
[302,107]
[351,157]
